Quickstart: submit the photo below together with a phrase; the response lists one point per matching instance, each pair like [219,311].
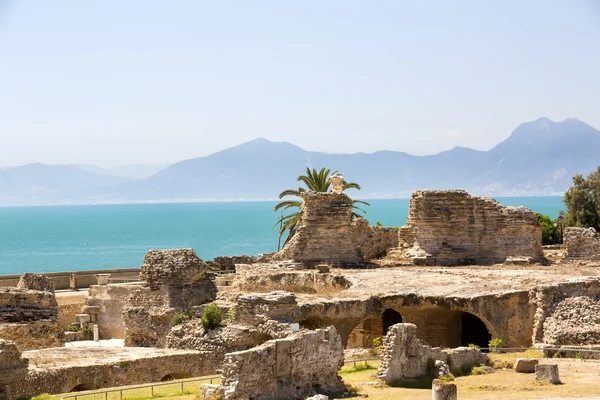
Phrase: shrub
[478,371]
[73,328]
[87,329]
[378,343]
[446,378]
[180,317]
[473,346]
[495,345]
[231,314]
[211,318]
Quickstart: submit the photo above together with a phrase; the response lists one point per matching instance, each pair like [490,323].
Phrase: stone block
[547,373]
[83,318]
[525,365]
[36,282]
[211,392]
[318,397]
[443,391]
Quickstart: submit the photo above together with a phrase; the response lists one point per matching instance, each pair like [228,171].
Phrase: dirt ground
[579,380]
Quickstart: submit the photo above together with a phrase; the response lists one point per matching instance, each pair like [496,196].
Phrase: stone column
[443,391]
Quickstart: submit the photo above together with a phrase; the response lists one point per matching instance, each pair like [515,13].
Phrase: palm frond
[288,204]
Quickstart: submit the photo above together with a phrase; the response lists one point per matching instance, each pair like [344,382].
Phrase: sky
[116,82]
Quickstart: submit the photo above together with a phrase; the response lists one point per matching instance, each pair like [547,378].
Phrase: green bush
[446,378]
[495,345]
[478,371]
[180,317]
[473,346]
[87,329]
[73,328]
[231,314]
[378,343]
[548,229]
[211,318]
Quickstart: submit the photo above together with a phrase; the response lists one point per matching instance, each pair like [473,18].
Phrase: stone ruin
[327,233]
[13,367]
[451,227]
[404,357]
[29,314]
[36,282]
[173,280]
[583,245]
[290,368]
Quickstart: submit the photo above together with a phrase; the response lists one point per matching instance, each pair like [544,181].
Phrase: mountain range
[538,158]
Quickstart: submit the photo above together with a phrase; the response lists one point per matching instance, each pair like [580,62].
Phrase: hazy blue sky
[112,82]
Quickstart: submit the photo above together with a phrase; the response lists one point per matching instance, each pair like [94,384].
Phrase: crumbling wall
[451,227]
[295,367]
[173,280]
[36,282]
[255,309]
[29,318]
[100,373]
[13,366]
[583,244]
[328,233]
[562,315]
[404,357]
[257,280]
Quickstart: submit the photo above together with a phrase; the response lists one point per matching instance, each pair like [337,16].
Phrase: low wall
[127,369]
[84,278]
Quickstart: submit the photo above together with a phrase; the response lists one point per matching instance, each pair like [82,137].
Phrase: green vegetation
[182,316]
[315,181]
[87,329]
[473,346]
[378,343]
[478,371]
[549,234]
[359,366]
[211,318]
[231,314]
[495,345]
[583,201]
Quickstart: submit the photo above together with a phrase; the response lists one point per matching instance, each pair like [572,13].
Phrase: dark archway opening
[81,387]
[473,331]
[175,375]
[388,318]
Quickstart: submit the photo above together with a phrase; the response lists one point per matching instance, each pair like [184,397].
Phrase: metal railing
[104,393]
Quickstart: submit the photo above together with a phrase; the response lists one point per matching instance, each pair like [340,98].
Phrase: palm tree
[315,181]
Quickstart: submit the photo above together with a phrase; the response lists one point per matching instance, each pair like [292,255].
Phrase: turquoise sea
[72,238]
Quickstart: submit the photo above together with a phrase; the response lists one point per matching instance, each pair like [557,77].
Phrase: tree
[583,201]
[315,181]
[548,229]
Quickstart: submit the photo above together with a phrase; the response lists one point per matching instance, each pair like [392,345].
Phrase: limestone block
[12,366]
[463,359]
[102,279]
[526,365]
[36,282]
[547,373]
[318,397]
[583,244]
[443,391]
[83,318]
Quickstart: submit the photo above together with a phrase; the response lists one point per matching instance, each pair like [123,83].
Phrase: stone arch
[81,387]
[473,330]
[364,332]
[390,317]
[175,375]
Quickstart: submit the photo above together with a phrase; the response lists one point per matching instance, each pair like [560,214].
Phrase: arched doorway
[81,387]
[473,331]
[388,318]
[175,375]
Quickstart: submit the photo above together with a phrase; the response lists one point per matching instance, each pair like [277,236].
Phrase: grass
[170,390]
[359,366]
[579,378]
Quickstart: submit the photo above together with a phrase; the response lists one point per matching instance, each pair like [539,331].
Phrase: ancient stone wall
[257,280]
[290,368]
[173,280]
[583,244]
[106,303]
[96,371]
[451,227]
[36,282]
[255,309]
[328,233]
[563,315]
[13,366]
[404,357]
[29,318]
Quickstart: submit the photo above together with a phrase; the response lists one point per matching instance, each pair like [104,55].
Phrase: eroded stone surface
[451,227]
[289,368]
[583,244]
[547,373]
[29,318]
[525,365]
[13,366]
[328,233]
[36,282]
[574,321]
[173,280]
[443,390]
